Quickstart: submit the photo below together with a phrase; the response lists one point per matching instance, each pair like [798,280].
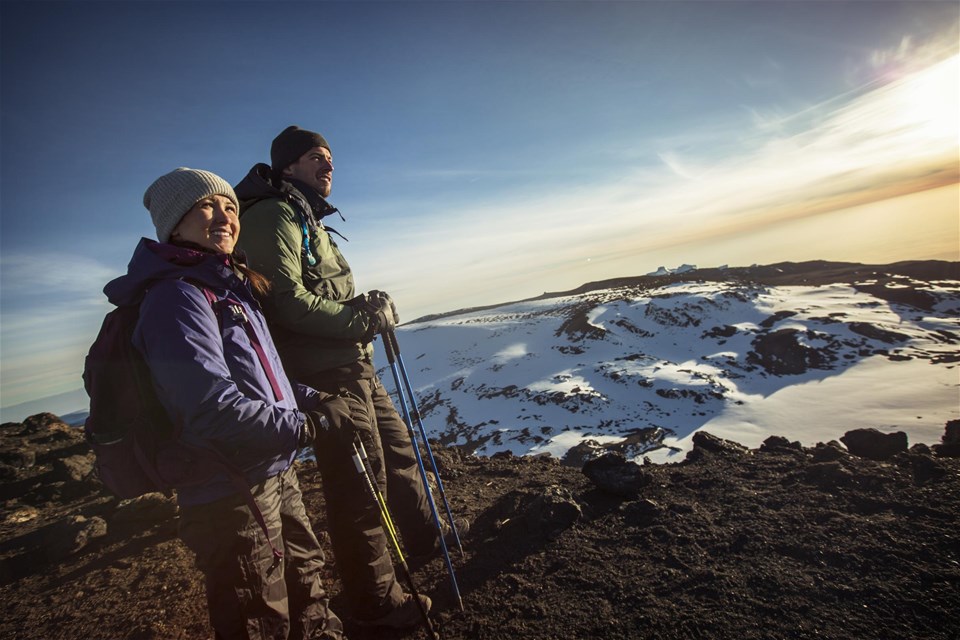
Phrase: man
[324,334]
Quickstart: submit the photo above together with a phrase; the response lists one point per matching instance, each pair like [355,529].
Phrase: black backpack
[136,444]
[137,447]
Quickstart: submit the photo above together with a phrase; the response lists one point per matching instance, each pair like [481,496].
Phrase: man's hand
[386,302]
[381,310]
[338,418]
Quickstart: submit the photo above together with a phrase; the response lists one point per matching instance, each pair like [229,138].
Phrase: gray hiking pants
[250,594]
[359,543]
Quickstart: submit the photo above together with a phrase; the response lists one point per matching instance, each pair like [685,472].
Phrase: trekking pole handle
[389,342]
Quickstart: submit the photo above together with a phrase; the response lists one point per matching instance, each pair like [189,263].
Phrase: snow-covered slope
[639,368]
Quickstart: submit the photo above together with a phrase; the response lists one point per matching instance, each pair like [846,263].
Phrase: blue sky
[484,151]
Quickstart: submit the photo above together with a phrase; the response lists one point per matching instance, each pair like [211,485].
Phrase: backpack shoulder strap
[239,314]
[209,295]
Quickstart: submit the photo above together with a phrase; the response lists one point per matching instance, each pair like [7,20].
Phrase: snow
[529,378]
[890,396]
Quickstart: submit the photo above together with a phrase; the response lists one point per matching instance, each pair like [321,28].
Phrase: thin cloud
[45,336]
[870,144]
[35,273]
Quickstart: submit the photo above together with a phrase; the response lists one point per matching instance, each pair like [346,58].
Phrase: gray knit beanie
[170,196]
[291,144]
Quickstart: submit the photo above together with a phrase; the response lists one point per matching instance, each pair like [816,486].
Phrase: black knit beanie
[292,143]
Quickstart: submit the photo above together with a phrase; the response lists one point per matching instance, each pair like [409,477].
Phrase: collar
[317,203]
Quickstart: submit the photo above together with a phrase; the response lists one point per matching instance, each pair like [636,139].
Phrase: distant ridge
[61,404]
[811,272]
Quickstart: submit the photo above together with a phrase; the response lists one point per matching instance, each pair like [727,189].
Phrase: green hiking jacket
[312,327]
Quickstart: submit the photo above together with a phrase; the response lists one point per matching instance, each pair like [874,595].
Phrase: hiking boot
[416,562]
[405,615]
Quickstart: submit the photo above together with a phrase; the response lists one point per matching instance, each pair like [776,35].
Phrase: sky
[484,151]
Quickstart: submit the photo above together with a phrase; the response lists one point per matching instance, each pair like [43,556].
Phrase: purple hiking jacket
[206,372]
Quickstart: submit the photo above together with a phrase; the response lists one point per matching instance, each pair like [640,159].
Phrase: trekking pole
[362,463]
[395,347]
[423,473]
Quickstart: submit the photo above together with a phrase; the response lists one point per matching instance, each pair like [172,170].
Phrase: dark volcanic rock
[72,534]
[726,331]
[828,474]
[42,422]
[552,511]
[705,441]
[777,317]
[779,444]
[829,452]
[73,468]
[950,441]
[871,443]
[781,353]
[146,509]
[900,295]
[615,474]
[874,332]
[732,543]
[951,434]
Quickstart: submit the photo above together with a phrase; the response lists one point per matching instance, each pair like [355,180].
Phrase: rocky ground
[853,540]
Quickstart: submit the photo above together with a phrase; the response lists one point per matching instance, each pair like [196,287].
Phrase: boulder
[42,422]
[950,441]
[779,444]
[708,442]
[73,468]
[150,508]
[552,512]
[873,444]
[783,353]
[613,473]
[70,535]
[828,474]
[829,452]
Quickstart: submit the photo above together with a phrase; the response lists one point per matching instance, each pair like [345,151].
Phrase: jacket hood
[256,186]
[153,261]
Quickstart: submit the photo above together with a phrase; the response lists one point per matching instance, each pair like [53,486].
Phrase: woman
[219,377]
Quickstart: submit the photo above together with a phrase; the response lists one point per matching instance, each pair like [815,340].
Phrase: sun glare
[929,102]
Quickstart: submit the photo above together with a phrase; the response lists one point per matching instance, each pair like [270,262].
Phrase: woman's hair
[258,282]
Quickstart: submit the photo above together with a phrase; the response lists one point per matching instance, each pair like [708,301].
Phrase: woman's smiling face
[212,223]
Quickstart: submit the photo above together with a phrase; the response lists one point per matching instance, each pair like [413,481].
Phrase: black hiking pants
[353,518]
[250,594]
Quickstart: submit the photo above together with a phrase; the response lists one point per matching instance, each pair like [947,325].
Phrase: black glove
[380,309]
[386,302]
[339,418]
